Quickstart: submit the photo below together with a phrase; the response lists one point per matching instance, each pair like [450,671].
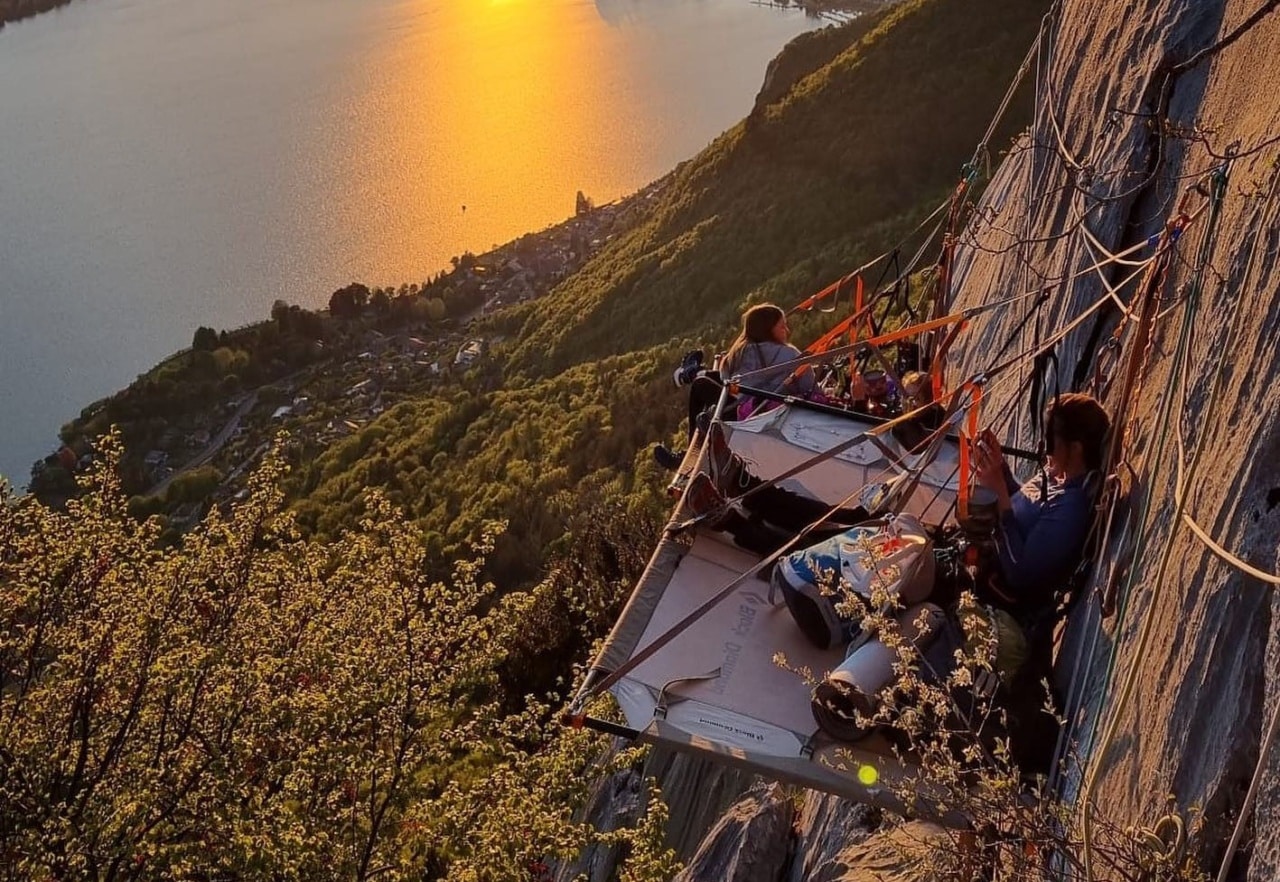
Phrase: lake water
[171,163]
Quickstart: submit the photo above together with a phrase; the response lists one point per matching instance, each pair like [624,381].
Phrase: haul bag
[824,585]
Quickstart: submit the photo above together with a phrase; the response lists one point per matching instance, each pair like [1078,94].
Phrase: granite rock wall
[1135,104]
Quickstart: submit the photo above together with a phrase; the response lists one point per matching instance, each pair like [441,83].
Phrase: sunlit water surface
[171,163]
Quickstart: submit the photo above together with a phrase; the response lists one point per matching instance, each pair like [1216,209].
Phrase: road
[214,445]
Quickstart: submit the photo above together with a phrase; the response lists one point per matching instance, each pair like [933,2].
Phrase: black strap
[1043,362]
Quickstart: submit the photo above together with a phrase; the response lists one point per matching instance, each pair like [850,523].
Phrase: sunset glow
[191,163]
[523,93]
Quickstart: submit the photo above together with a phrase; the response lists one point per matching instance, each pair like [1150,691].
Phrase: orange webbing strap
[857,310]
[937,379]
[968,432]
[835,287]
[882,339]
[809,302]
[850,324]
[911,330]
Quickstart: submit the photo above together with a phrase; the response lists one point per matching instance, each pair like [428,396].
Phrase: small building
[281,412]
[470,352]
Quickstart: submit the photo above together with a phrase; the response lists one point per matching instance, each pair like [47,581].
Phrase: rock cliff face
[1133,106]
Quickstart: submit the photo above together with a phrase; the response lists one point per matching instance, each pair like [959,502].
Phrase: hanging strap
[848,325]
[664,704]
[1037,401]
[968,434]
[936,378]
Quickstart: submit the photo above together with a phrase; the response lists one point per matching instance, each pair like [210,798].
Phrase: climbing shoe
[727,468]
[667,458]
[704,501]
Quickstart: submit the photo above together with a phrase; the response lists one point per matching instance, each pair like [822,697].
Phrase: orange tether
[936,378]
[967,435]
[813,353]
[850,324]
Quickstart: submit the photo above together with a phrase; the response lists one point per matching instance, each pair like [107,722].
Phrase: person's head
[877,385]
[1076,426]
[918,388]
[764,323]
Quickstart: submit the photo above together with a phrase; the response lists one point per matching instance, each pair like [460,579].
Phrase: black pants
[773,516]
[703,395]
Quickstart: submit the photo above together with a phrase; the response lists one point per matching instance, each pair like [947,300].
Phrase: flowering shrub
[252,705]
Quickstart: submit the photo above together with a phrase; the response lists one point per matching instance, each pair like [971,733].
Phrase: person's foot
[667,458]
[704,501]
[726,466]
[703,422]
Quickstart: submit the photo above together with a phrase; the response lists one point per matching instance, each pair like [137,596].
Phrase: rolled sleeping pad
[853,687]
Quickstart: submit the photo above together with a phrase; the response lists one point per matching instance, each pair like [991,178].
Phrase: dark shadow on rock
[750,843]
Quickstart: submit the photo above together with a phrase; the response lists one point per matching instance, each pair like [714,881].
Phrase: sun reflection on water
[499,107]
[509,107]
[206,159]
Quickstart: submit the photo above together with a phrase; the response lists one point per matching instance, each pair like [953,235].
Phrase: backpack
[895,553]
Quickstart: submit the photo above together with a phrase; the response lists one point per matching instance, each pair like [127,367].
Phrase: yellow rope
[1163,845]
[1227,556]
[1099,751]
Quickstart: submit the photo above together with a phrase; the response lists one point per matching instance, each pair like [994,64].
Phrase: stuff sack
[850,694]
[894,553]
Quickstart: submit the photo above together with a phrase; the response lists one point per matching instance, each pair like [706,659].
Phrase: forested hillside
[832,172]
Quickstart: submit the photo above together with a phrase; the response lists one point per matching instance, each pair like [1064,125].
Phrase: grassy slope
[853,155]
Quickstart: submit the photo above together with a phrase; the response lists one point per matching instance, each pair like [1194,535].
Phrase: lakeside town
[369,351]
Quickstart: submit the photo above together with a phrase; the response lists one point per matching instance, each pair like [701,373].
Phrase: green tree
[205,339]
[350,301]
[280,314]
[194,486]
[245,704]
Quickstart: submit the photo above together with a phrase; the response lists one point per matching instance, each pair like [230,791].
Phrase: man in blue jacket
[1039,538]
[1044,522]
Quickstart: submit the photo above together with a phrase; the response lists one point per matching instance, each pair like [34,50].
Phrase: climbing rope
[1182,346]
[1268,741]
[1214,546]
[1215,399]
[1162,845]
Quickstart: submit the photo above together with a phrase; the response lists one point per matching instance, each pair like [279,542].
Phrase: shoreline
[39,432]
[507,275]
[17,10]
